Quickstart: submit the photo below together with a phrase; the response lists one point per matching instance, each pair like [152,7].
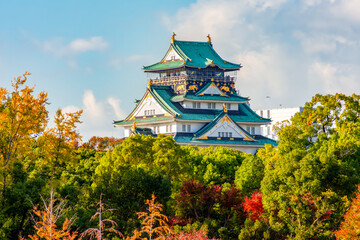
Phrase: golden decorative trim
[173,38]
[218,138]
[209,38]
[193,88]
[149,83]
[246,138]
[225,88]
[203,137]
[224,108]
[231,138]
[133,127]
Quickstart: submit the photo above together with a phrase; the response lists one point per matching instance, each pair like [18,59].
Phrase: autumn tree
[46,227]
[97,233]
[23,117]
[350,227]
[154,224]
[102,143]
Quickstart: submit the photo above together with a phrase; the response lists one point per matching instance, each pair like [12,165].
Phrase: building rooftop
[193,55]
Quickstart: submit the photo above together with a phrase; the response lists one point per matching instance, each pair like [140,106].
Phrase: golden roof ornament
[133,127]
[149,83]
[209,38]
[224,107]
[173,38]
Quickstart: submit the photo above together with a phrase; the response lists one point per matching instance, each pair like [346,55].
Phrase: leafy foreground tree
[154,224]
[46,225]
[97,233]
[314,169]
[350,227]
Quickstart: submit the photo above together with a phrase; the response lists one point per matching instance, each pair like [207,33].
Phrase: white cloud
[98,116]
[57,46]
[91,44]
[347,9]
[331,78]
[115,104]
[278,43]
[70,109]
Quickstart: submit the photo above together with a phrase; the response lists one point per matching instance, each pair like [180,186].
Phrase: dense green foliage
[299,189]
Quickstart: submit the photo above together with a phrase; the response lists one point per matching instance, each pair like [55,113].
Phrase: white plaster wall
[149,104]
[171,54]
[126,132]
[258,130]
[226,127]
[194,126]
[204,105]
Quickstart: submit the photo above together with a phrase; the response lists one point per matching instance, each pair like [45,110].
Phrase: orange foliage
[102,143]
[46,227]
[22,117]
[350,227]
[154,224]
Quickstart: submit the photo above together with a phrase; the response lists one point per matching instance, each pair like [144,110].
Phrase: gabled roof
[189,139]
[195,55]
[210,88]
[220,118]
[144,131]
[164,94]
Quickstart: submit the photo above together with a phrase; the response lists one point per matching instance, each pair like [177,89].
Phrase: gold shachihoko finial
[224,107]
[133,127]
[149,83]
[173,38]
[209,38]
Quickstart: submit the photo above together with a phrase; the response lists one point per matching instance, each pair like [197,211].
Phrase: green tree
[315,167]
[249,175]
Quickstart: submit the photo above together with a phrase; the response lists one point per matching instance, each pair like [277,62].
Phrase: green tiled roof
[211,124]
[260,140]
[194,54]
[142,120]
[217,98]
[164,94]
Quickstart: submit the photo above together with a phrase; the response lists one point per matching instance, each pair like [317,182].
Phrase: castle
[191,96]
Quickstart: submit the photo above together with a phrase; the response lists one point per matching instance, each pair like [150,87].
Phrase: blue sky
[89,54]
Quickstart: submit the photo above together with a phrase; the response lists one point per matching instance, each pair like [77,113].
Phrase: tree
[249,175]
[315,167]
[102,143]
[46,227]
[100,230]
[253,206]
[154,224]
[22,118]
[350,227]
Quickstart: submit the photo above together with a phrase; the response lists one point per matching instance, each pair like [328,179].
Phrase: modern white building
[276,115]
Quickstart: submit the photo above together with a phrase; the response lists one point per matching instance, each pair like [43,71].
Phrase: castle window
[225,134]
[252,130]
[149,112]
[228,106]
[268,113]
[189,128]
[184,128]
[196,105]
[211,105]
